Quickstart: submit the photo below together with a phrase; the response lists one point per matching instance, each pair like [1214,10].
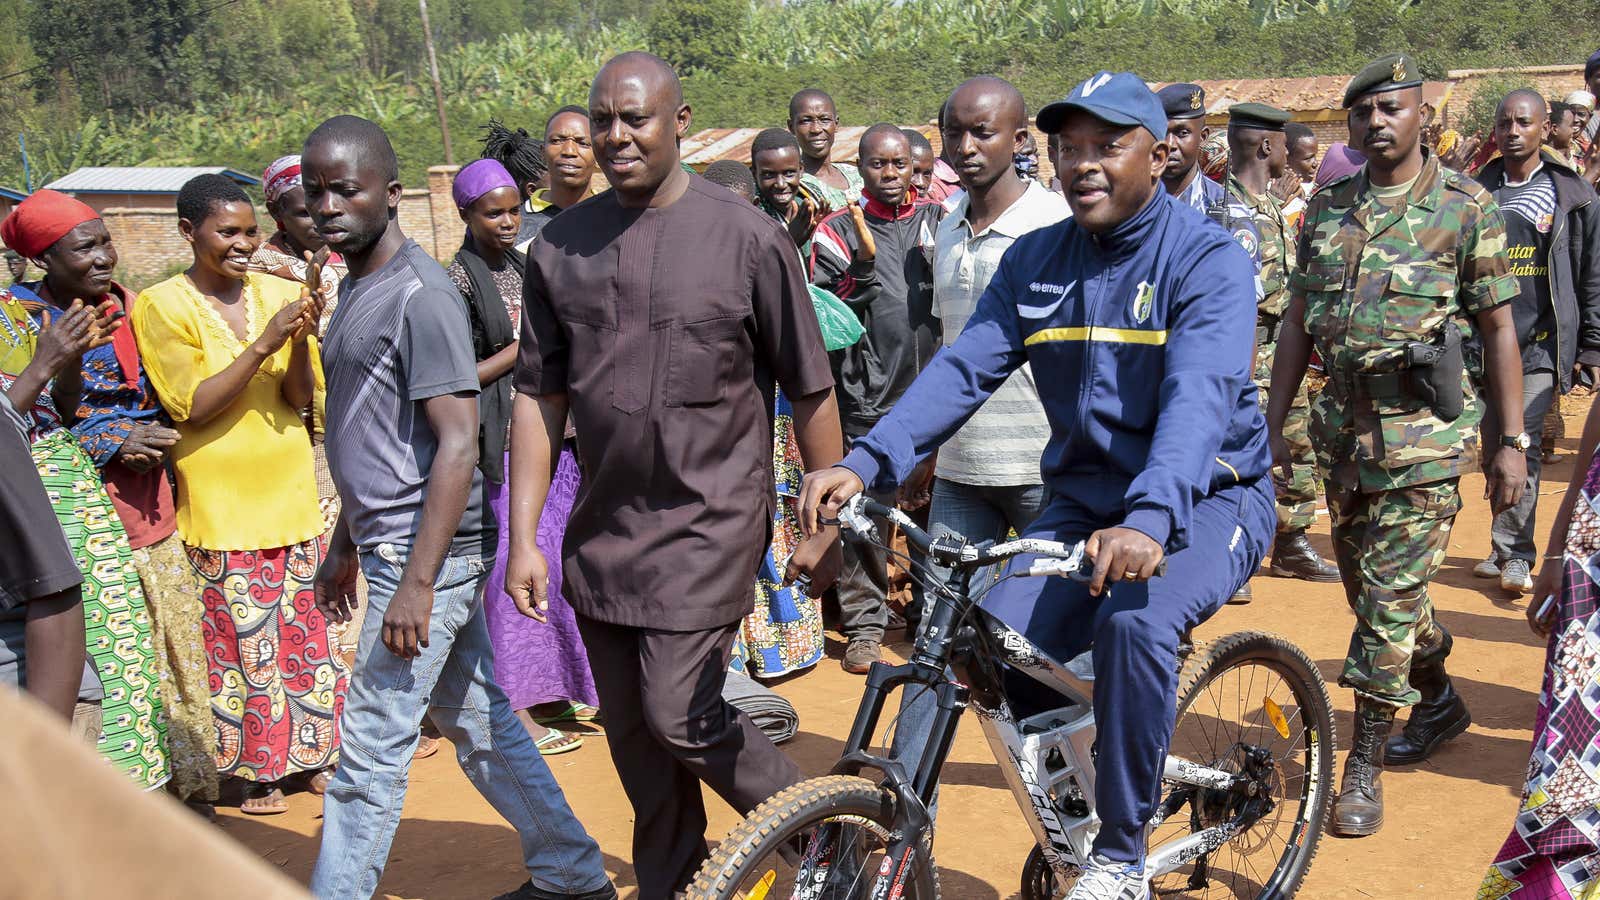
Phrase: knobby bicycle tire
[1212,659]
[784,815]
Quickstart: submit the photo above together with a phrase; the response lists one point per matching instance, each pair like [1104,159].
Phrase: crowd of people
[321,498]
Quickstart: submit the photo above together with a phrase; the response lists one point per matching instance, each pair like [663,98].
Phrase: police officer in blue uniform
[1138,317]
[1185,106]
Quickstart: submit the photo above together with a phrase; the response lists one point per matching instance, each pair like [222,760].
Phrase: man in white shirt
[987,479]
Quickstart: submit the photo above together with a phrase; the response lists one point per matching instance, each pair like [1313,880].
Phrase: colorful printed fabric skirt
[538,662]
[134,730]
[1553,852]
[783,634]
[277,689]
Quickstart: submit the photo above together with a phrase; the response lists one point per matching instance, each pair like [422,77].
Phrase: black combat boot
[1359,809]
[1294,557]
[1241,596]
[1440,716]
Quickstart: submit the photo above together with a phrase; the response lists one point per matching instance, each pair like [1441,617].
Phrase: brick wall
[148,244]
[446,228]
[416,220]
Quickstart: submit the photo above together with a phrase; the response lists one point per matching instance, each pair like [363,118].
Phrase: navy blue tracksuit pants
[1134,629]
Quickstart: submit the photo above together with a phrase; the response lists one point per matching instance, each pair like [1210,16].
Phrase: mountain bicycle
[1245,790]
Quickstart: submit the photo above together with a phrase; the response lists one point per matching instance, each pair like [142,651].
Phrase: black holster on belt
[1433,373]
[1267,328]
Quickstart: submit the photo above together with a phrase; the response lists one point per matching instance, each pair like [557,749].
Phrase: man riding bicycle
[1138,318]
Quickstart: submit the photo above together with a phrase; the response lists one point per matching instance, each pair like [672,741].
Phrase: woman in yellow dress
[232,355]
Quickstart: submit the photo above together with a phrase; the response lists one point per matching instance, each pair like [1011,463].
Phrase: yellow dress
[247,511]
[245,478]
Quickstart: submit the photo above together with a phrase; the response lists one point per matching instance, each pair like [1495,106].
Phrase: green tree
[699,35]
[120,53]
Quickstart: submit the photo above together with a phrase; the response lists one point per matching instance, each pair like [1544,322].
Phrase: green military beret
[1386,73]
[1256,115]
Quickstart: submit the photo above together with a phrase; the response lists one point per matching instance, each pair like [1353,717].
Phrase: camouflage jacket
[1374,278]
[1275,254]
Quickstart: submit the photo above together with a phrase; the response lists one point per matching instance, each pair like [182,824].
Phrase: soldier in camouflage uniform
[1389,259]
[1257,153]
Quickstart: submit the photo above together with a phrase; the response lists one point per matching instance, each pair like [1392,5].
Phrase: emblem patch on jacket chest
[1143,299]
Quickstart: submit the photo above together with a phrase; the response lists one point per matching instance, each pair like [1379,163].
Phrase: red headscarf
[46,217]
[41,220]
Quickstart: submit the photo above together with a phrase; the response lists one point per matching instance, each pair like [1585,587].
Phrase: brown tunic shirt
[667,328]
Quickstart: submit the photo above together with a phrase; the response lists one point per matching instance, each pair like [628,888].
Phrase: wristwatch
[1517,441]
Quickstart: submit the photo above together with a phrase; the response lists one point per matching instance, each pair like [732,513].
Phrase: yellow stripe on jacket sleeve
[1098,333]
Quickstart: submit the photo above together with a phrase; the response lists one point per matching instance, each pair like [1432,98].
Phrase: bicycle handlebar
[1069,560]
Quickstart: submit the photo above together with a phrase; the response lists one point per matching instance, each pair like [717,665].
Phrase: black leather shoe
[1440,716]
[1359,809]
[530,891]
[1241,596]
[1294,557]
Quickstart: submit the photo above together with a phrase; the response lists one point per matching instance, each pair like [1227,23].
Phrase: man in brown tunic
[660,315]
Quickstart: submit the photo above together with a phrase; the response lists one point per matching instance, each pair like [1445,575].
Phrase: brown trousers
[669,729]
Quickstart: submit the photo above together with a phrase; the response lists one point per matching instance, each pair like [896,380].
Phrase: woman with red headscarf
[41,373]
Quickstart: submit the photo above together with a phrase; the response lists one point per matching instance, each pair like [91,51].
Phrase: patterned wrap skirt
[134,725]
[277,687]
[1553,851]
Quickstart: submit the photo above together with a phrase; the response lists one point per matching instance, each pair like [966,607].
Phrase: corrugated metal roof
[139,179]
[1314,94]
[703,148]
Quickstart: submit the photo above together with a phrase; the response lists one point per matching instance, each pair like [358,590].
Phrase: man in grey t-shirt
[402,420]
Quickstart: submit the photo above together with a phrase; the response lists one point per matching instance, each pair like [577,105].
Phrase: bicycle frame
[1022,749]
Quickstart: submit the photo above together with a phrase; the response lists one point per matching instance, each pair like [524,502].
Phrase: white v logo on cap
[1095,83]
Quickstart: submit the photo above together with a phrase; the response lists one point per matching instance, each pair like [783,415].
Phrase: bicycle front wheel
[826,838]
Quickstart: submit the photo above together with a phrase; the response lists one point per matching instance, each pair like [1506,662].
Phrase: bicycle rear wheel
[822,839]
[1252,691]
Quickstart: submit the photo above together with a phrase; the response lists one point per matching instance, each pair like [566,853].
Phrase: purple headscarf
[1338,162]
[478,178]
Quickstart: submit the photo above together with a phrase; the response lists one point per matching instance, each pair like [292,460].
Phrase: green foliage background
[240,82]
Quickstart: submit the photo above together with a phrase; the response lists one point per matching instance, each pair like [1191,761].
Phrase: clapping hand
[146,446]
[69,333]
[1285,188]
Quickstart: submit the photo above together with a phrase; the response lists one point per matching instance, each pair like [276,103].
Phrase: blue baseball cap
[1120,98]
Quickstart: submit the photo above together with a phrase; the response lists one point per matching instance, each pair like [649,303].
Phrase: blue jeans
[387,699]
[977,513]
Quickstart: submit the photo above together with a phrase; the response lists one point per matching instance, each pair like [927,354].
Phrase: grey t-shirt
[399,336]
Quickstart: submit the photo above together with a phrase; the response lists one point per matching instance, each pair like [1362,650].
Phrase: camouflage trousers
[1389,544]
[1297,495]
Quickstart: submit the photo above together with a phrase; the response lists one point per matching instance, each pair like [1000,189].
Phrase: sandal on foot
[276,804]
[555,743]
[318,783]
[582,713]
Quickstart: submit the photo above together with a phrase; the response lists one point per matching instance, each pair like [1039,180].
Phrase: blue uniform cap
[1120,98]
[1183,100]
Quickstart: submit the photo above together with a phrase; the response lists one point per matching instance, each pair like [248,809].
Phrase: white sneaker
[1514,577]
[1487,569]
[1103,879]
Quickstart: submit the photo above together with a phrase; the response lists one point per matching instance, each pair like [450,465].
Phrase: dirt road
[1445,818]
